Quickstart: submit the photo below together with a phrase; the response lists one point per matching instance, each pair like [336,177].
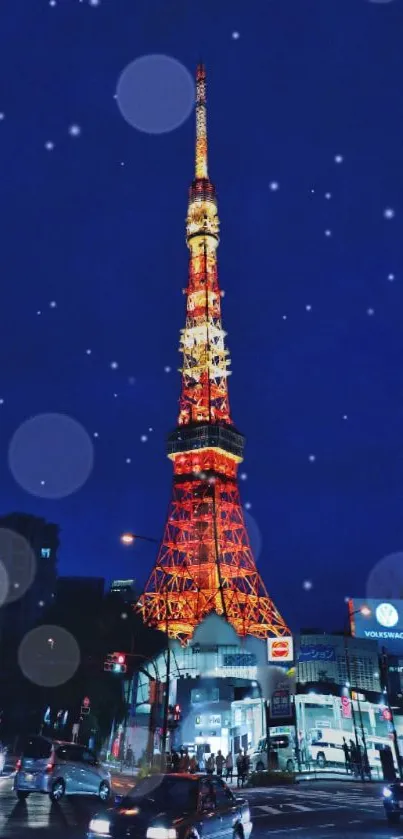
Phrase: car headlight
[100,826]
[387,793]
[246,815]
[161,833]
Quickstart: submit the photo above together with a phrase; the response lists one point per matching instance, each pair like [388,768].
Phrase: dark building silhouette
[79,592]
[28,553]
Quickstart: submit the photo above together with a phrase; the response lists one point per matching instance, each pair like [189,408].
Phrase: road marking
[266,809]
[300,807]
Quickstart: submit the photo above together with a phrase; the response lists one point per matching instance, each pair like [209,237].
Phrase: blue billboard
[316,652]
[380,620]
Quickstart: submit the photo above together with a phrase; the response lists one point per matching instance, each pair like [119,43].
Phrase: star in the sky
[274,185]
[167,369]
[128,460]
[243,476]
[1,401]
[248,505]
[284,317]
[338,158]
[49,146]
[389,213]
[370,312]
[94,2]
[391,277]
[74,130]
[328,232]
[308,307]
[345,416]
[235,36]
[88,352]
[96,434]
[114,365]
[307,585]
[328,195]
[312,458]
[144,438]
[53,304]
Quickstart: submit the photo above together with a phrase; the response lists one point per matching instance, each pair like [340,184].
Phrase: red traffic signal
[177,712]
[116,663]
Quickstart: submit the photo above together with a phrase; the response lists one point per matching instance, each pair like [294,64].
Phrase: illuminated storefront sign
[239,660]
[280,649]
[280,705]
[385,620]
[208,721]
[316,652]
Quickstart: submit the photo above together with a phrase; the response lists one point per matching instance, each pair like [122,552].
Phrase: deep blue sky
[305,81]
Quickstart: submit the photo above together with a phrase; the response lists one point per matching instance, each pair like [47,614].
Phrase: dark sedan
[393,802]
[176,806]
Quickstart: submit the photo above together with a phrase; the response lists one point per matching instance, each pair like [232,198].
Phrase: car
[281,754]
[57,769]
[393,801]
[176,806]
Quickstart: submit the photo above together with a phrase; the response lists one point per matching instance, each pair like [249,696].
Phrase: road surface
[313,810]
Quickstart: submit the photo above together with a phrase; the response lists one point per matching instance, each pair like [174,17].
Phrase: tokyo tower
[205,563]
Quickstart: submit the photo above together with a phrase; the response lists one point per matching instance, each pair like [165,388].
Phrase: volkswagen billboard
[380,620]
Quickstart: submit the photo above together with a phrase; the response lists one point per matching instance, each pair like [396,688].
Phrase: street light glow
[127,538]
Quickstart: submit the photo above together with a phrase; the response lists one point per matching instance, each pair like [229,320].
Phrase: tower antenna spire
[201,169]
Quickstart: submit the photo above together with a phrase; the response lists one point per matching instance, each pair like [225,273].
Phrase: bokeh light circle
[49,656]
[4,583]
[155,94]
[254,533]
[17,566]
[385,581]
[51,455]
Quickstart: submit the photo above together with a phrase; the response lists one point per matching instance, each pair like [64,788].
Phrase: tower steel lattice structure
[205,563]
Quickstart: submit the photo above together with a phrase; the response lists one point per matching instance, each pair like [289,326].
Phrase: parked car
[58,769]
[282,754]
[175,806]
[393,802]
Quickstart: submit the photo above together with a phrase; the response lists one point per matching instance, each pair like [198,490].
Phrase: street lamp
[366,612]
[129,538]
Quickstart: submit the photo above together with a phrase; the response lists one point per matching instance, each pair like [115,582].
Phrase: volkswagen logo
[387,615]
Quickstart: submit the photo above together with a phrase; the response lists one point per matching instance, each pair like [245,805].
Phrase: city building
[339,694]
[28,551]
[205,591]
[125,589]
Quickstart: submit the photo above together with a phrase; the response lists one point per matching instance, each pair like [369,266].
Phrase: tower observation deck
[205,563]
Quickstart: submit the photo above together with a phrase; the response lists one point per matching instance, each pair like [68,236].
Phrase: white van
[325,745]
[282,752]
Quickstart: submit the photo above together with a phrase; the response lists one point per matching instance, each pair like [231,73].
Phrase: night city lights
[211,645]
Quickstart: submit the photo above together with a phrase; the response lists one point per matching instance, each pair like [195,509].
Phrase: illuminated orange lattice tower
[205,562]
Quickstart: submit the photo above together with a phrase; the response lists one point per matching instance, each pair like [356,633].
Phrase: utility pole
[168,674]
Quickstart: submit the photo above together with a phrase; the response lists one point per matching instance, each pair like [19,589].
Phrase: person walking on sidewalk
[210,765]
[219,762]
[347,755]
[229,766]
[239,768]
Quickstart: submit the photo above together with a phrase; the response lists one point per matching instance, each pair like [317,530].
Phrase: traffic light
[177,713]
[115,663]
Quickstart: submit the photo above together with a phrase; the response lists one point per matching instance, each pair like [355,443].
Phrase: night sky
[305,120]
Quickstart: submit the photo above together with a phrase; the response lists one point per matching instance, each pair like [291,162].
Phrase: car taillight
[49,768]
[18,766]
